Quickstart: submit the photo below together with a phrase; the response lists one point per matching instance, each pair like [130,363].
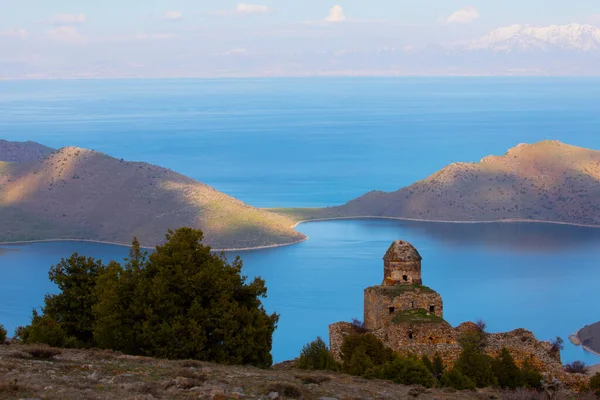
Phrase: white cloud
[15,32]
[68,34]
[244,8]
[69,19]
[465,15]
[336,14]
[235,52]
[147,36]
[173,15]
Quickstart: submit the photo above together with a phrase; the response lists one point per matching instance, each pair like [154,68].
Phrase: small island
[588,337]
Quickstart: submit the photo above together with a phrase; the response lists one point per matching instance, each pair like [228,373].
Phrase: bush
[531,376]
[3,334]
[557,345]
[576,367]
[455,379]
[360,353]
[316,356]
[405,371]
[595,383]
[473,363]
[44,330]
[481,325]
[42,353]
[507,373]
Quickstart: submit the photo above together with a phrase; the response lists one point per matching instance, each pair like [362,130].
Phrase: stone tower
[402,265]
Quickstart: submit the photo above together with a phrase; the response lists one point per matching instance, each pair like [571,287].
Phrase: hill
[545,181]
[98,374]
[22,151]
[75,193]
[589,337]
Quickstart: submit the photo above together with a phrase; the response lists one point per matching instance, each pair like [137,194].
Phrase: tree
[507,373]
[3,334]
[531,376]
[438,366]
[44,329]
[455,379]
[365,348]
[316,356]
[72,307]
[557,345]
[473,363]
[406,371]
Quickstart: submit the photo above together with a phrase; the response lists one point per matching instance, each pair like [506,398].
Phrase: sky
[188,38]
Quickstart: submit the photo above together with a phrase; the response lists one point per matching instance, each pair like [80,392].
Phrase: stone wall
[383,303]
[337,333]
[402,272]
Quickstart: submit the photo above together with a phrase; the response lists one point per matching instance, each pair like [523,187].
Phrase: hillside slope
[76,193]
[22,151]
[546,181]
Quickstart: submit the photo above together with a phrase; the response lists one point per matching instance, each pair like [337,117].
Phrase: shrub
[44,330]
[557,344]
[359,326]
[3,334]
[531,376]
[507,373]
[285,389]
[405,371]
[316,356]
[438,366]
[473,363]
[576,367]
[481,325]
[455,379]
[360,353]
[427,363]
[42,353]
[595,383]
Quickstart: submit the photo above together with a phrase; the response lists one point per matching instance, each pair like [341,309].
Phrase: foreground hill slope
[546,181]
[76,193]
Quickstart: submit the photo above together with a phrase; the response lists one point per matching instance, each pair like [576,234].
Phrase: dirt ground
[101,374]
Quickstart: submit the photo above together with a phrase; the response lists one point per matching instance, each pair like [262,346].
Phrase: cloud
[245,9]
[147,36]
[463,16]
[15,32]
[69,19]
[336,14]
[235,52]
[68,34]
[173,15]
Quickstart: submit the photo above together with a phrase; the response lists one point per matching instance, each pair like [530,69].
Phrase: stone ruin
[408,317]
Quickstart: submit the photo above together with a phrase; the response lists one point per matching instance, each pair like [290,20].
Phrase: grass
[398,290]
[416,316]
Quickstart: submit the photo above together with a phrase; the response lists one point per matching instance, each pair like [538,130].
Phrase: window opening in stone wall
[392,309]
[405,278]
[412,304]
[431,308]
[410,335]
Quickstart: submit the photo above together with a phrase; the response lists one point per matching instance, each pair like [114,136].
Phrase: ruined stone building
[408,317]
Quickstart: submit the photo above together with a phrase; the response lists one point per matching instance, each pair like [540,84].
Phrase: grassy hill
[75,193]
[22,151]
[546,181]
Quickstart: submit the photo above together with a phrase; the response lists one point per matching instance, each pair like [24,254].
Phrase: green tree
[72,307]
[44,329]
[3,334]
[438,366]
[531,376]
[428,364]
[595,383]
[361,347]
[316,356]
[186,302]
[474,363]
[406,371]
[455,379]
[507,373]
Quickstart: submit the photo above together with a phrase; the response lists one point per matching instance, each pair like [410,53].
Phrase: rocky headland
[79,194]
[588,337]
[547,181]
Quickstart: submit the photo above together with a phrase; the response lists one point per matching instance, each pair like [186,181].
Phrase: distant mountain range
[546,181]
[74,193]
[527,38]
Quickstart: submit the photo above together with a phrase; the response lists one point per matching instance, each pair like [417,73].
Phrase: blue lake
[317,142]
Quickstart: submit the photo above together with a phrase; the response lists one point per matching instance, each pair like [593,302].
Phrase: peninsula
[588,337]
[547,181]
[79,194]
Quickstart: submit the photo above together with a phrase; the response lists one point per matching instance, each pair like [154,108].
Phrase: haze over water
[318,142]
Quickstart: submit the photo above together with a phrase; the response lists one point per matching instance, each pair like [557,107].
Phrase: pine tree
[507,373]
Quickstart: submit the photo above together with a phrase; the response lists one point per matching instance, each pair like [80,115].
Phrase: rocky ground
[34,372]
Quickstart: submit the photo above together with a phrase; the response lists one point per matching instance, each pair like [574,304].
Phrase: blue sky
[61,38]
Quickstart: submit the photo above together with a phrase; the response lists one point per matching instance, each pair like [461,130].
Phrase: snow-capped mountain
[526,38]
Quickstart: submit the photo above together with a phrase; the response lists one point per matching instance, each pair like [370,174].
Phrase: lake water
[317,142]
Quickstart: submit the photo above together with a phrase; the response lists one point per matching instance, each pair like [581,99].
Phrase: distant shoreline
[576,340]
[505,221]
[143,247]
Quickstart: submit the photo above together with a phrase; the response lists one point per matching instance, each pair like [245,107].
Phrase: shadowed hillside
[546,181]
[82,194]
[22,151]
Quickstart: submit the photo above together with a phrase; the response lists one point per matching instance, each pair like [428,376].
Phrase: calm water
[316,142]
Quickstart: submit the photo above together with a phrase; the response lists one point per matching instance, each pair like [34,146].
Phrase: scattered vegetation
[3,334]
[316,356]
[557,345]
[181,302]
[576,367]
[42,352]
[595,384]
[416,316]
[398,290]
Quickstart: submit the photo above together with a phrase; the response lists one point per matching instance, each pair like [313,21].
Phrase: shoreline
[504,221]
[574,338]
